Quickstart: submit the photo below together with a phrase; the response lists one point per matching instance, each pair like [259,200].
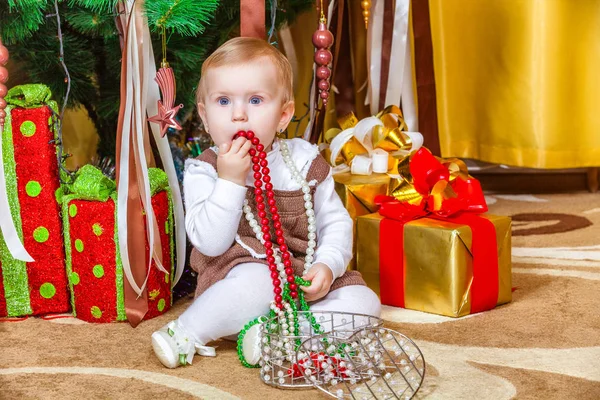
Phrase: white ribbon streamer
[374,38]
[141,130]
[409,107]
[400,44]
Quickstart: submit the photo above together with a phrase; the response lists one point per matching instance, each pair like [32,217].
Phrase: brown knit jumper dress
[294,224]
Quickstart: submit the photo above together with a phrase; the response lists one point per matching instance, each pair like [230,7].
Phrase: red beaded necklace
[260,166]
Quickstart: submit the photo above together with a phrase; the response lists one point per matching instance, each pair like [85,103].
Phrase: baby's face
[246,97]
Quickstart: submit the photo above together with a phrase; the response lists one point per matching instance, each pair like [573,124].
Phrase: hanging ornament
[366,6]
[166,82]
[322,40]
[3,79]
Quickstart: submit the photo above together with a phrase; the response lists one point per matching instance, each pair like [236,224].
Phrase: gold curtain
[518,81]
[80,138]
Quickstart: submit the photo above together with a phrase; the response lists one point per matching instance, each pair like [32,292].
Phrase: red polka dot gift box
[33,280]
[94,265]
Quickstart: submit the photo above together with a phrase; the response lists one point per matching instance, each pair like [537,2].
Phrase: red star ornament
[165,78]
[166,118]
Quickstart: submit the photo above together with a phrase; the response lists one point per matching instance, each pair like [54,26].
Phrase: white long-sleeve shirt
[214,206]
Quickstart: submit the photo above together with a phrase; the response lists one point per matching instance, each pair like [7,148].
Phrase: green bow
[29,96]
[91,184]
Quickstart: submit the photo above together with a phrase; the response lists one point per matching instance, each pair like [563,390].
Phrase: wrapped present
[32,258]
[94,265]
[434,251]
[428,264]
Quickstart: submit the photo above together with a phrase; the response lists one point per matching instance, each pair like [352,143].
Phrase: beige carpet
[543,345]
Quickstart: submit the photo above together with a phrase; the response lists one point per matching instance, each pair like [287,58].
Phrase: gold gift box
[357,193]
[438,264]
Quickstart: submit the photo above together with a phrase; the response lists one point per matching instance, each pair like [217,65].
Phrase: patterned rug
[545,344]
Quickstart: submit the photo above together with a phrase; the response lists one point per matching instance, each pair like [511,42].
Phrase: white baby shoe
[174,346]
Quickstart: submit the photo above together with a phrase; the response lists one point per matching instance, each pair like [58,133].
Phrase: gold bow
[388,134]
[404,189]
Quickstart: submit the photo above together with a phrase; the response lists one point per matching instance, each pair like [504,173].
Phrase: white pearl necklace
[310,213]
[287,315]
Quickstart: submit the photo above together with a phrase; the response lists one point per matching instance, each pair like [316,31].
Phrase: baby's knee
[362,300]
[371,303]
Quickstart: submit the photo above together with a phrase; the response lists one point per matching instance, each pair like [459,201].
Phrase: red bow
[444,189]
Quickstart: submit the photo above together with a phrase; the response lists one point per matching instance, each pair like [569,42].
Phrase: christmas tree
[92,49]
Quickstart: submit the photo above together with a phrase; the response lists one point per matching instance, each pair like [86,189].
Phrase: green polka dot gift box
[94,265]
[33,280]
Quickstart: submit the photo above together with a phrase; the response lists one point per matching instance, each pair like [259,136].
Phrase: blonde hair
[247,49]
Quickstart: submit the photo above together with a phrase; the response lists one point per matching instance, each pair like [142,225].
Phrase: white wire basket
[279,352]
[374,363]
[344,355]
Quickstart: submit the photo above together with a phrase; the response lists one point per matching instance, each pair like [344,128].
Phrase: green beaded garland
[240,341]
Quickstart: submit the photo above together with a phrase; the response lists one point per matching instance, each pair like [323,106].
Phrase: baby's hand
[321,278]
[234,161]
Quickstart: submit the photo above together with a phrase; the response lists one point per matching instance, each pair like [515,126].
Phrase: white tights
[245,294]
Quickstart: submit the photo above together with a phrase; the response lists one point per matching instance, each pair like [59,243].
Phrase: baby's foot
[173,345]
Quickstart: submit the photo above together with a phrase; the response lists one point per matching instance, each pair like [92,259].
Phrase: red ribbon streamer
[252,18]
[427,171]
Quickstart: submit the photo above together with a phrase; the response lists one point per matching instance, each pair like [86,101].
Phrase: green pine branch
[101,6]
[184,17]
[90,22]
[24,4]
[20,19]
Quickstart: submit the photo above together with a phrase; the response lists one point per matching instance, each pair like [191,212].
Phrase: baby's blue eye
[223,101]
[255,100]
